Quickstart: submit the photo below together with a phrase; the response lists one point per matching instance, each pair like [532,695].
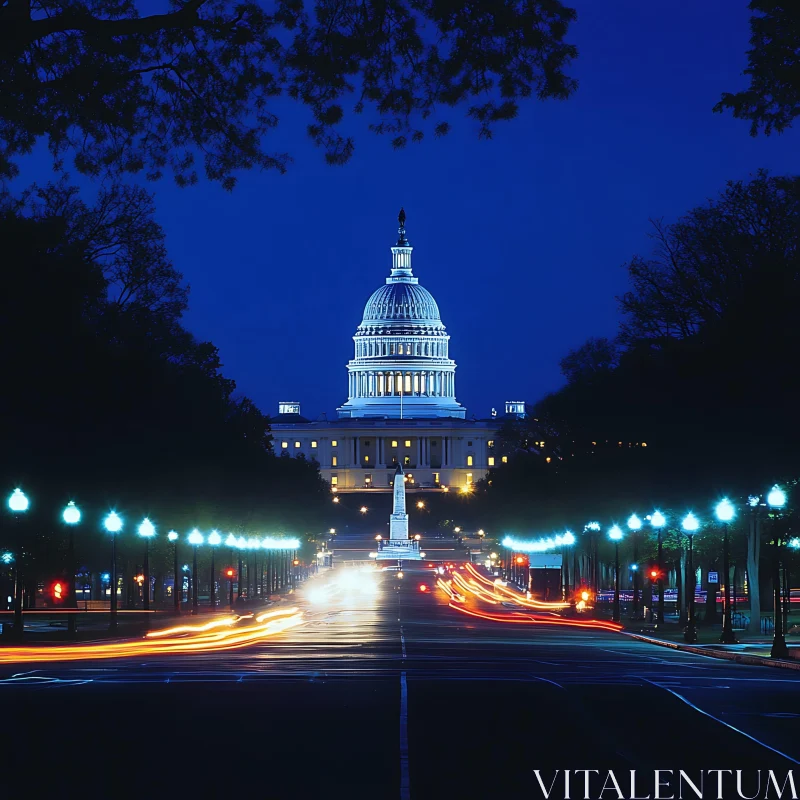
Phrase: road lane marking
[405,788]
[722,722]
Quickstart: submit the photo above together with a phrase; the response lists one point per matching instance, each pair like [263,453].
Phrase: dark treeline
[107,399]
[697,396]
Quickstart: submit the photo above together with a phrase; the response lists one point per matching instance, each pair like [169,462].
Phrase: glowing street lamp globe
[7,558]
[173,536]
[725,511]
[214,538]
[615,533]
[690,523]
[658,520]
[363,509]
[794,543]
[147,529]
[332,531]
[568,538]
[634,523]
[71,514]
[231,541]
[195,537]
[776,497]
[113,522]
[18,501]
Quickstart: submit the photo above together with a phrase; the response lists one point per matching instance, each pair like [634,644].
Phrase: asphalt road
[386,696]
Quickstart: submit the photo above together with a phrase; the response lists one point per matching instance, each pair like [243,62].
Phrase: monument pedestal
[399,549]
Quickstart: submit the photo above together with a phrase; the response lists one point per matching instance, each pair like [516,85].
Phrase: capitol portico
[401,406]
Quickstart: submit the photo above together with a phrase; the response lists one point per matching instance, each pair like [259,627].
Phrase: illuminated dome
[402,302]
[402,367]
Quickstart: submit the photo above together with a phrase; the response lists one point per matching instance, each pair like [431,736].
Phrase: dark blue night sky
[520,239]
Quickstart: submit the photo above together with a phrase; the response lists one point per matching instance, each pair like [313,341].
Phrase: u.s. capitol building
[401,406]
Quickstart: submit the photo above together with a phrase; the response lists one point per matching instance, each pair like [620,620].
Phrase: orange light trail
[181,639]
[513,596]
[215,623]
[454,596]
[532,619]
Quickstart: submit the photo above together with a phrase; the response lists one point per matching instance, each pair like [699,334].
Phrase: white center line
[405,788]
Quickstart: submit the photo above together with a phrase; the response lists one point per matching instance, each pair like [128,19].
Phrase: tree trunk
[711,616]
[680,568]
[753,587]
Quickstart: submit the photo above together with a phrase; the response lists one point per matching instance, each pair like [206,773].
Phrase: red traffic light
[230,572]
[520,560]
[423,587]
[653,573]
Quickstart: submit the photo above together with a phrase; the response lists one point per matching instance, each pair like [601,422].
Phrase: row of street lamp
[18,504]
[724,512]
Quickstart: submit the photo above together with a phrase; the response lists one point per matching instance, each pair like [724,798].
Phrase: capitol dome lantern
[401,368]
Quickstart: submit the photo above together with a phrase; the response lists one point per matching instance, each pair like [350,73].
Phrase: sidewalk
[749,649]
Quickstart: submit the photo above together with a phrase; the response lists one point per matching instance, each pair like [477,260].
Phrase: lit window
[334,480]
[491,461]
[436,477]
[469,477]
[284,445]
[313,444]
[366,459]
[406,461]
[408,442]
[504,459]
[410,477]
[469,461]
[297,444]
[490,443]
[394,442]
[334,461]
[334,443]
[367,478]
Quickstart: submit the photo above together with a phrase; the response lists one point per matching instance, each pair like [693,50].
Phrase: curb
[739,658]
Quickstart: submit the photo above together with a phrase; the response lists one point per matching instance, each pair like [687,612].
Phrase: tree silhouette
[772,101]
[129,91]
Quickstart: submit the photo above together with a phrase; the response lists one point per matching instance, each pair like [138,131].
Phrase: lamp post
[176,594]
[776,500]
[658,521]
[71,516]
[113,524]
[592,528]
[615,534]
[690,525]
[634,525]
[147,531]
[195,539]
[725,513]
[18,504]
[214,539]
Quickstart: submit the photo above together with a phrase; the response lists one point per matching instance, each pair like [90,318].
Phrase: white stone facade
[357,454]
